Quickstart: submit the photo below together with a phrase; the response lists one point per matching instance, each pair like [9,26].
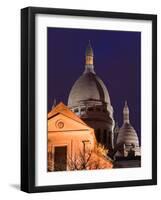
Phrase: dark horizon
[117,58]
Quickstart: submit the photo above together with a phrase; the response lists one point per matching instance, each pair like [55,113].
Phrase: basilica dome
[89,99]
[127,135]
[88,87]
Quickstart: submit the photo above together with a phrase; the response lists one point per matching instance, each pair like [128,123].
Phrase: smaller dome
[127,135]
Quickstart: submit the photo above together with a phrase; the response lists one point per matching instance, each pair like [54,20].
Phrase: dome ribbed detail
[127,135]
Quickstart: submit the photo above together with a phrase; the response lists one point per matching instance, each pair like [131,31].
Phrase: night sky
[116,62]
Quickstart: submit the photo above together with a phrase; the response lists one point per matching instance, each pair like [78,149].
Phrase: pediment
[61,122]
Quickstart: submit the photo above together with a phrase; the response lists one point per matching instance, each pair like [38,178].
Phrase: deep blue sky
[116,60]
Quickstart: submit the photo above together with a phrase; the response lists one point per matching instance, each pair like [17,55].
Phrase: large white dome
[88,87]
[90,100]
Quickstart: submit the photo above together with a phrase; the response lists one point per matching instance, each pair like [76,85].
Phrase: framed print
[88,99]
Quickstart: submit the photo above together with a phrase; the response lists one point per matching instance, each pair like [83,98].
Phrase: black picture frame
[28,98]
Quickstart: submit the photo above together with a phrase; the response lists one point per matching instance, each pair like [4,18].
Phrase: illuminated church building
[90,101]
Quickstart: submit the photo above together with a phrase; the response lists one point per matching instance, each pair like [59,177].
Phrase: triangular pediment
[63,109]
[61,118]
[61,122]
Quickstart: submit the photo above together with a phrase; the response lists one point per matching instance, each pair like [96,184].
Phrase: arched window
[76,110]
[83,109]
[90,109]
